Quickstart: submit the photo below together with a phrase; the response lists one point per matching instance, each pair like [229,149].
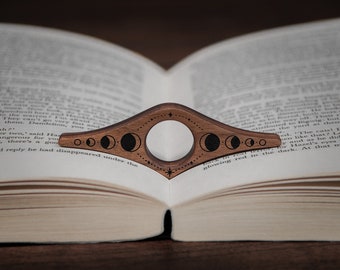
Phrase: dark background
[166,32]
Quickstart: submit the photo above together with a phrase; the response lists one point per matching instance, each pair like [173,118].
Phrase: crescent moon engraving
[250,142]
[107,142]
[232,142]
[90,142]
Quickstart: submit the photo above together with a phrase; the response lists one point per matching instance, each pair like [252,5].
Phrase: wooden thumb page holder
[212,139]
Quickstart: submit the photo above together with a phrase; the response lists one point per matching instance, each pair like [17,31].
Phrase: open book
[284,81]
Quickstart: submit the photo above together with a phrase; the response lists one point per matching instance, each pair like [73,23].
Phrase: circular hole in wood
[169,140]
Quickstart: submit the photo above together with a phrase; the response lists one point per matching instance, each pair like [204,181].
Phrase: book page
[53,82]
[284,81]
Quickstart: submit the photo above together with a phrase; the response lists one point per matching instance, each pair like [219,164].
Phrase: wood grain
[167,254]
[212,139]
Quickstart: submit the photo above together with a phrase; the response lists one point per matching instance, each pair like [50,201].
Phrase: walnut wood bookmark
[212,139]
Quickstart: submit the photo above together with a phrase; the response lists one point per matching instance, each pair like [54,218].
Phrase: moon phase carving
[90,142]
[209,142]
[107,142]
[130,142]
[232,142]
[212,139]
